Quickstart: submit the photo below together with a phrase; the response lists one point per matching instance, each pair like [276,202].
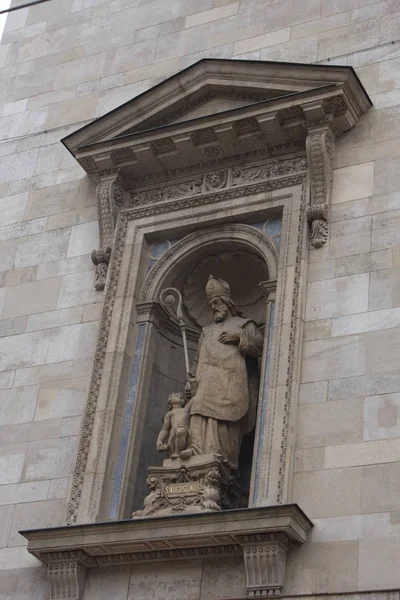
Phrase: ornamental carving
[110,198]
[66,580]
[216,180]
[187,188]
[320,150]
[219,180]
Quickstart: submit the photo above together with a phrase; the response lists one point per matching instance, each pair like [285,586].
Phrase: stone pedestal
[199,484]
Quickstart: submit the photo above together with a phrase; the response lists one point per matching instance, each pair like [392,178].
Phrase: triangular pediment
[221,102]
[209,86]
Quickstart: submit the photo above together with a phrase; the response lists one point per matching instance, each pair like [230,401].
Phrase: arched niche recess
[242,255]
[170,159]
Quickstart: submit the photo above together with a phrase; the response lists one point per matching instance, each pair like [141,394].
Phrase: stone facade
[67,62]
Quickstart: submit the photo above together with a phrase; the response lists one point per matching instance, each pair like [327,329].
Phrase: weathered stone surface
[35,514]
[323,567]
[330,423]
[12,208]
[83,239]
[367,453]
[313,392]
[28,298]
[12,465]
[61,399]
[382,417]
[25,350]
[18,404]
[72,341]
[43,247]
[6,515]
[54,318]
[335,297]
[386,552]
[340,357]
[24,492]
[50,459]
[335,492]
[115,585]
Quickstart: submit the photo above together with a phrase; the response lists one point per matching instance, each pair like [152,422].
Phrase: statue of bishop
[224,379]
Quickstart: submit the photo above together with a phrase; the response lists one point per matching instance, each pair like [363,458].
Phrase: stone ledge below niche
[263,535]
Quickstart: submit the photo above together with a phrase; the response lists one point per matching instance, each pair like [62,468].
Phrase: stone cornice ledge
[264,535]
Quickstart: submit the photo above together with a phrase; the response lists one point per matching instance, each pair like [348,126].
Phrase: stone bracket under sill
[262,535]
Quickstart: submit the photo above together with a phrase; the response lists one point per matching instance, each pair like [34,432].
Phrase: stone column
[110,198]
[269,290]
[320,149]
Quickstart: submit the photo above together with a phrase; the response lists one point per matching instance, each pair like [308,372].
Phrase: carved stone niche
[208,154]
[262,536]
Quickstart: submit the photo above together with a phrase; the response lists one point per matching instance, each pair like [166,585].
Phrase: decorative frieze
[218,180]
[320,150]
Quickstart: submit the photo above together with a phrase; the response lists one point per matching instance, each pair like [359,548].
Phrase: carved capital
[269,289]
[66,580]
[265,563]
[320,150]
[110,198]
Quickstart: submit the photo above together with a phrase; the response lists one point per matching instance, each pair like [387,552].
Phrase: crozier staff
[225,380]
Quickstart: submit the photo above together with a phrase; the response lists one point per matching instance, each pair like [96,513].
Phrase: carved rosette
[320,150]
[110,198]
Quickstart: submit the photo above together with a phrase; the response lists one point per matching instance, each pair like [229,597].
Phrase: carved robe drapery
[226,388]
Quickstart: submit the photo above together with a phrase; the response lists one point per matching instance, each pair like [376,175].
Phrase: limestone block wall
[66,62]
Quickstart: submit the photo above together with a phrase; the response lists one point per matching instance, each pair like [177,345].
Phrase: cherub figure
[174,435]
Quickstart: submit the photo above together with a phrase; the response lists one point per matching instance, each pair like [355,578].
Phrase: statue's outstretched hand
[162,447]
[191,379]
[229,337]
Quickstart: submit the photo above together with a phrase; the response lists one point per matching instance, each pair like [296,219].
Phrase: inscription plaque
[177,489]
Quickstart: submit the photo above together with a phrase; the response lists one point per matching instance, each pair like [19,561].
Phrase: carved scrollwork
[223,179]
[110,197]
[320,150]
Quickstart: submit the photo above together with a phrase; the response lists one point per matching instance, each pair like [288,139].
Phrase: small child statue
[174,435]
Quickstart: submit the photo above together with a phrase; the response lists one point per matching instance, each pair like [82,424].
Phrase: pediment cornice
[215,111]
[213,116]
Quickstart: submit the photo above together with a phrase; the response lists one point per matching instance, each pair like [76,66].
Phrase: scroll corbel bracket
[320,149]
[265,564]
[66,580]
[110,199]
